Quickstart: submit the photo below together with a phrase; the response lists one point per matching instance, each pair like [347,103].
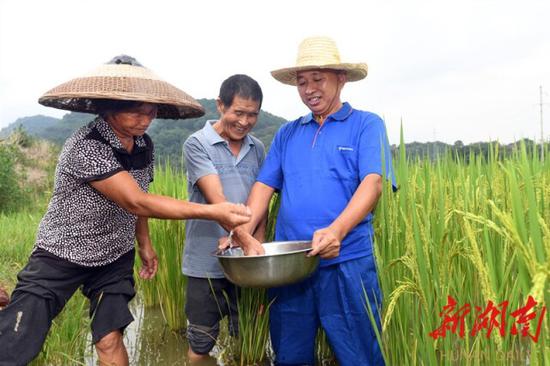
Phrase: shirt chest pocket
[224,167]
[341,161]
[242,169]
[249,170]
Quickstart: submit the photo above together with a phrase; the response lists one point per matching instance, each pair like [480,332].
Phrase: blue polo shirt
[317,169]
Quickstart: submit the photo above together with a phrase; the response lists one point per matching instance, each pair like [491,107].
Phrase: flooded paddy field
[149,341]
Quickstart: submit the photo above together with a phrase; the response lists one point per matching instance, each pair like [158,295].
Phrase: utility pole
[541,127]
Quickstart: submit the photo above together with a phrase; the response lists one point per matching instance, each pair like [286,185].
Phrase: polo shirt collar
[214,138]
[339,115]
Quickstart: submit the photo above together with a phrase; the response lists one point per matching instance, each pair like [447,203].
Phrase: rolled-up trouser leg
[110,288]
[202,338]
[207,302]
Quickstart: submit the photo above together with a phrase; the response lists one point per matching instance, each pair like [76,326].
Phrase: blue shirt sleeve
[374,151]
[271,173]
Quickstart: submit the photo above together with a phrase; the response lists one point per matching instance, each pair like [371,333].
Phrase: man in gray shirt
[222,162]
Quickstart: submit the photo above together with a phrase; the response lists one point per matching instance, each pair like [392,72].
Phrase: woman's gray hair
[104,106]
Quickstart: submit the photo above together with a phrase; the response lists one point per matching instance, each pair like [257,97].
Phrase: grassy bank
[66,343]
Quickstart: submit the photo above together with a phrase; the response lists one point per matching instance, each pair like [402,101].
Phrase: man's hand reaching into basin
[241,238]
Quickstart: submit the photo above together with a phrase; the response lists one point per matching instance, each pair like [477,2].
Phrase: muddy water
[150,343]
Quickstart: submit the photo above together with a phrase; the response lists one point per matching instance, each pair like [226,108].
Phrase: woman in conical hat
[99,207]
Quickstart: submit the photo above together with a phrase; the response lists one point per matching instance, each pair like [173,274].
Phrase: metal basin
[284,262]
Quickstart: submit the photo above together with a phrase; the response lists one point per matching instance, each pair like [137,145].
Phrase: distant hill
[39,124]
[49,128]
[168,135]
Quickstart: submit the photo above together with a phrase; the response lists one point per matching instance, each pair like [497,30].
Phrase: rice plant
[252,346]
[167,288]
[477,232]
[253,340]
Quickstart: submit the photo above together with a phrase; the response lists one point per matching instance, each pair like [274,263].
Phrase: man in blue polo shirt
[328,167]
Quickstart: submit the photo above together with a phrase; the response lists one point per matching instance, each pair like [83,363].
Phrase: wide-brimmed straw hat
[319,53]
[122,78]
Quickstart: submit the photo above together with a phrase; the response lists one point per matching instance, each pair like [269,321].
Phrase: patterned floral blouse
[81,225]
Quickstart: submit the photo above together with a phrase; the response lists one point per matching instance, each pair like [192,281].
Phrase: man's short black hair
[240,85]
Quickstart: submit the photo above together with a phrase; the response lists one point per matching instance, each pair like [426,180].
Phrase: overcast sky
[448,70]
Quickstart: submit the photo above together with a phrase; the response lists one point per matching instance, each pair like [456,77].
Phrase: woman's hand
[149,261]
[230,215]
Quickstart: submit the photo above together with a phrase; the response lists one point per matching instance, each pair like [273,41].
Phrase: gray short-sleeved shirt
[207,153]
[81,225]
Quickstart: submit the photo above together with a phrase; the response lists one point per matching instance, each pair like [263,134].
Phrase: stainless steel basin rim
[268,247]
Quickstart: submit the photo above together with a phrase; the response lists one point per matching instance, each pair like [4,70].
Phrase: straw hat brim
[354,71]
[79,94]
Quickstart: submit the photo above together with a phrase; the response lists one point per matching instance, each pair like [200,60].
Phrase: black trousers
[45,285]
